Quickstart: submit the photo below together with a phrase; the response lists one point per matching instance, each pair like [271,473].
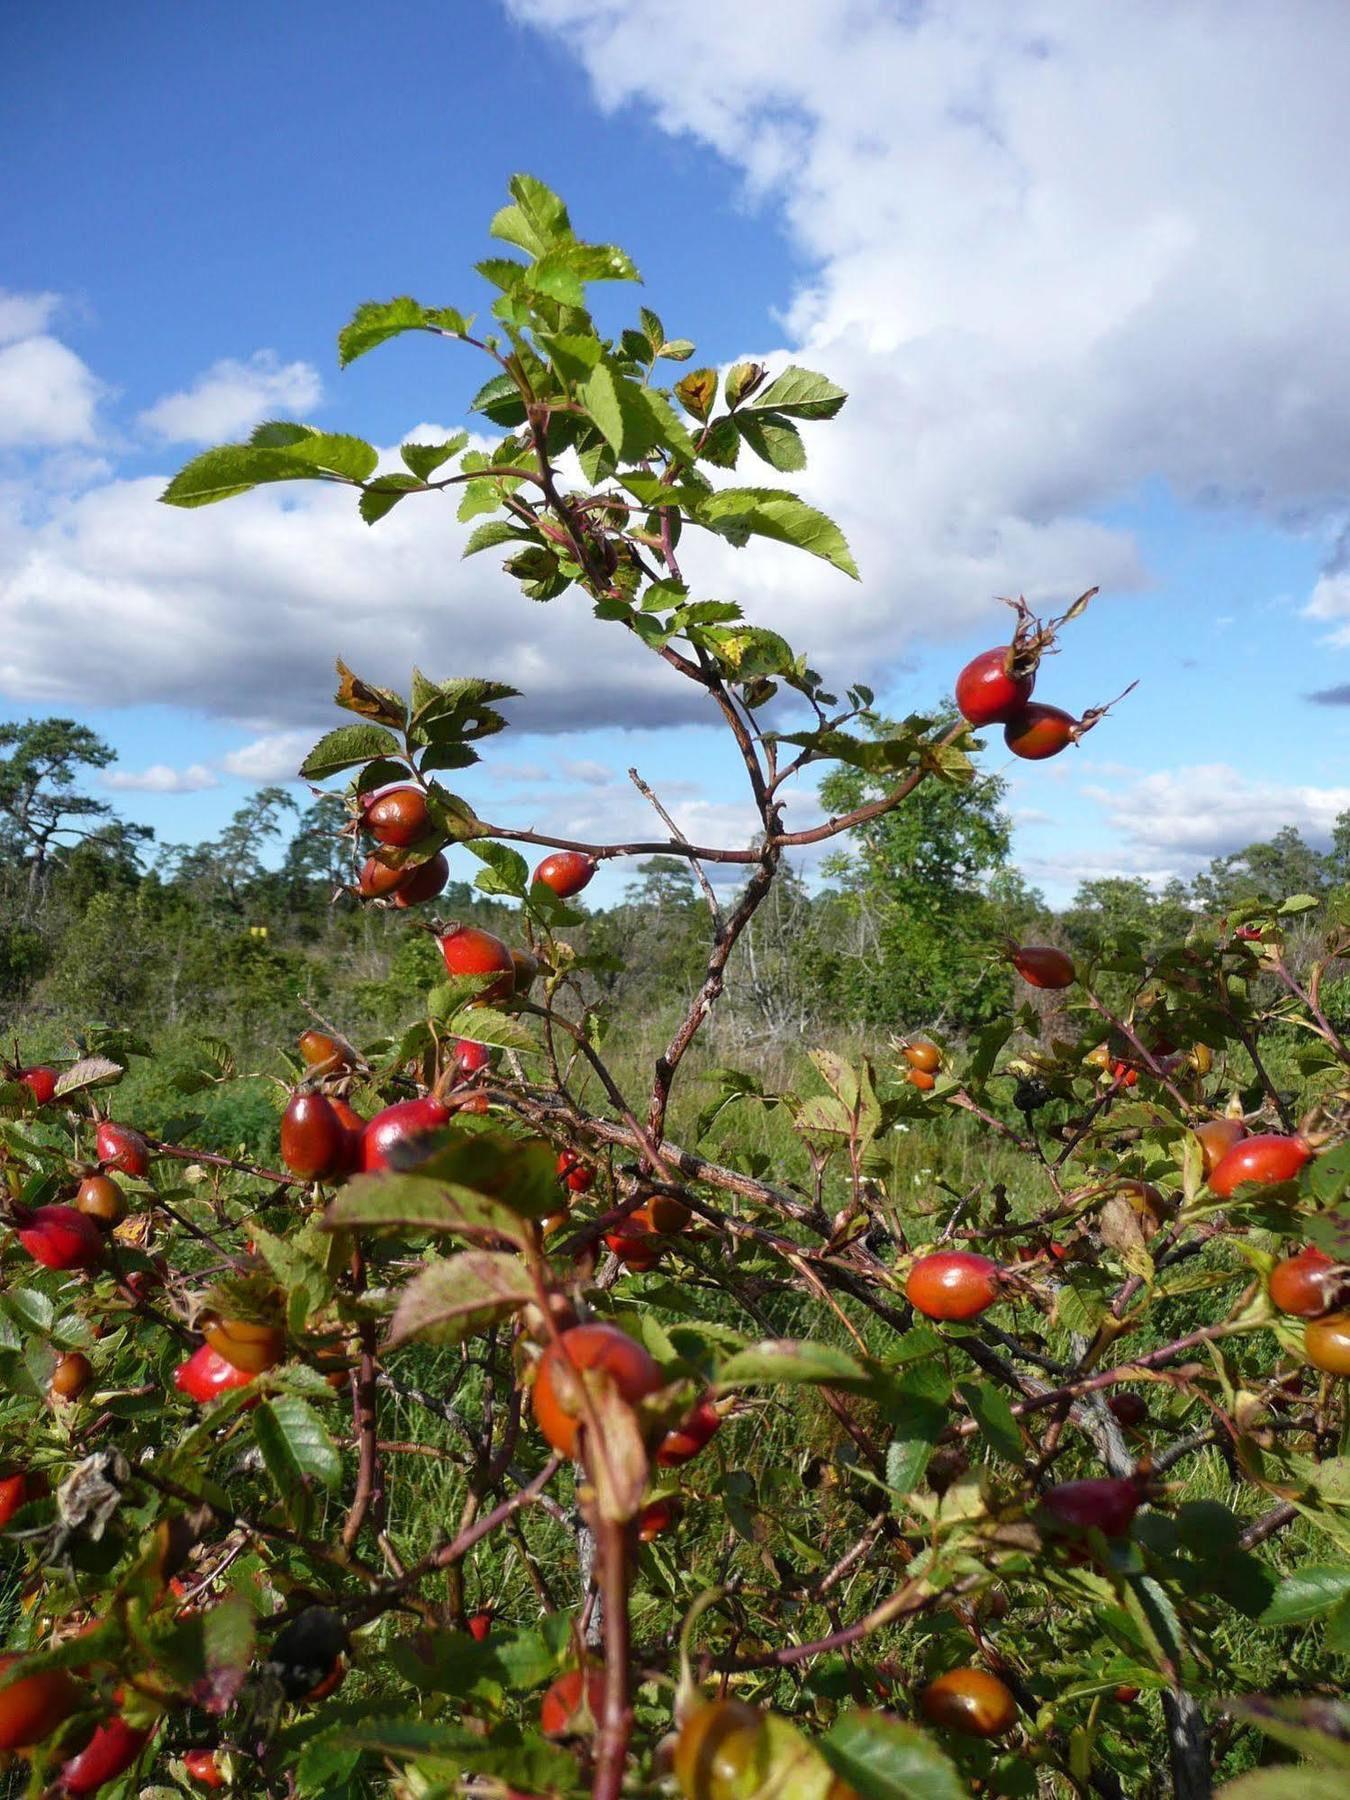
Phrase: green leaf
[336,452]
[538,218]
[608,397]
[917,1411]
[376,321]
[345,748]
[383,494]
[1312,1726]
[294,1445]
[994,1417]
[460,1296]
[738,514]
[1285,1784]
[677,349]
[425,459]
[485,1025]
[509,868]
[278,434]
[775,441]
[801,395]
[789,1361]
[233,469]
[1308,1592]
[494,532]
[885,1759]
[418,1203]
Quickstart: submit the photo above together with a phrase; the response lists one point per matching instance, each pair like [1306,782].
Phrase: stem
[616,1722]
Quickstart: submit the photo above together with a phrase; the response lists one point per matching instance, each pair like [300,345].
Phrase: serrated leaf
[801,394]
[358,696]
[376,321]
[495,531]
[419,1203]
[1307,1593]
[775,441]
[425,459]
[994,1417]
[383,494]
[790,1361]
[89,1072]
[295,1446]
[460,1296]
[738,514]
[338,452]
[885,1759]
[233,469]
[510,868]
[345,748]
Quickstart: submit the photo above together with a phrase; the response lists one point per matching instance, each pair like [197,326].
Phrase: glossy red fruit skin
[986,694]
[61,1237]
[1265,1158]
[1042,966]
[13,1493]
[32,1707]
[1299,1284]
[119,1147]
[1217,1137]
[202,1767]
[470,1057]
[573,1173]
[480,1625]
[397,1124]
[563,1700]
[657,1517]
[397,817]
[1039,731]
[695,1430]
[635,1244]
[314,1141]
[566,872]
[971,1702]
[424,882]
[595,1346]
[206,1375]
[952,1284]
[353,1126]
[377,881]
[469,951]
[1326,1343]
[1106,1504]
[40,1082]
[112,1750]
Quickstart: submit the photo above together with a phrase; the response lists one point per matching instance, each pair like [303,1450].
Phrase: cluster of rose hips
[995,688]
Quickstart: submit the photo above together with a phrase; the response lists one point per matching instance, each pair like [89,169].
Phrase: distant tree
[922,891]
[41,807]
[1114,905]
[1277,867]
[225,871]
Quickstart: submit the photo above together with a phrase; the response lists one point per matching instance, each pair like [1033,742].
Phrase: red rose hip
[987,693]
[952,1284]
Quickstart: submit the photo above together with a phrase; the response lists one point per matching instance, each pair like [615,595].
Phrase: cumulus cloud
[276,756]
[25,315]
[231,397]
[160,778]
[1058,249]
[1180,817]
[48,396]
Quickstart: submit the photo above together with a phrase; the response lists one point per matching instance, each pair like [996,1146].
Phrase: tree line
[100,921]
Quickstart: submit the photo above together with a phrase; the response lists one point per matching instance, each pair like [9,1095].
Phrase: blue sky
[1085,359]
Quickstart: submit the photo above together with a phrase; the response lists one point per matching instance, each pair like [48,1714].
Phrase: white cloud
[25,315]
[231,397]
[1330,604]
[160,778]
[276,756]
[48,396]
[1181,817]
[1059,249]
[590,774]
